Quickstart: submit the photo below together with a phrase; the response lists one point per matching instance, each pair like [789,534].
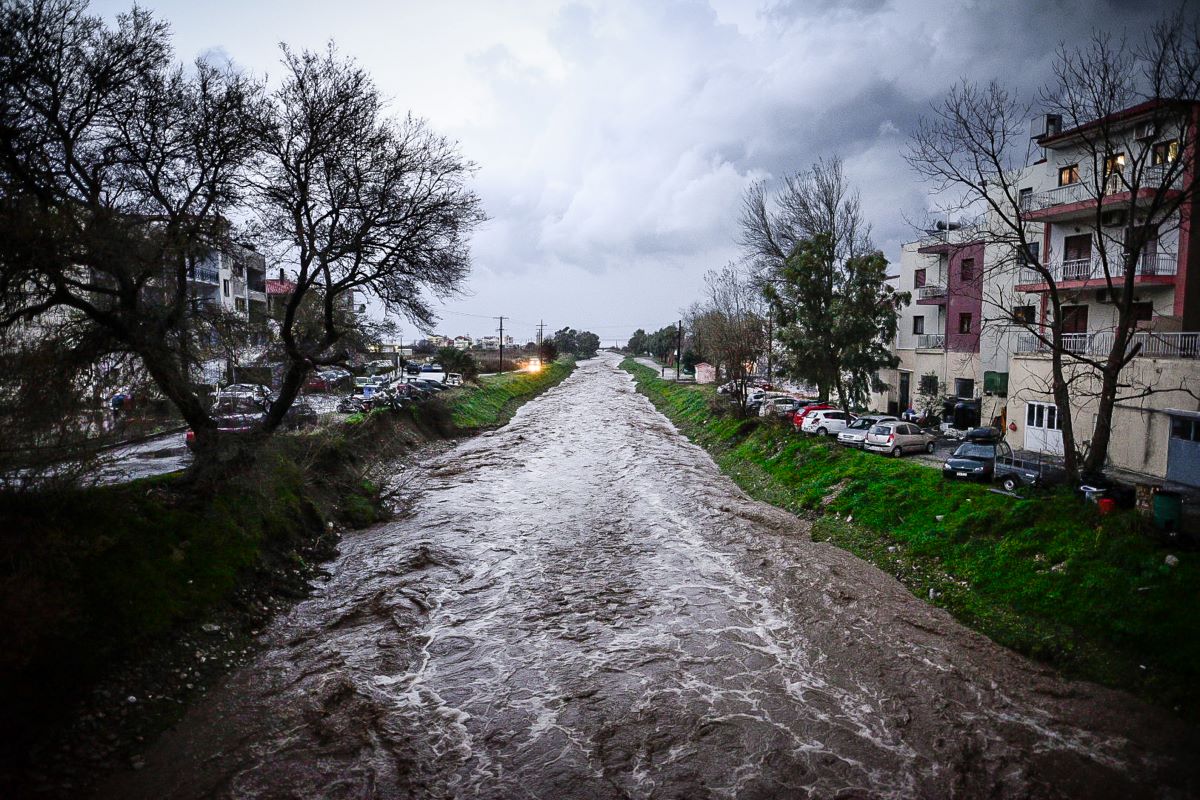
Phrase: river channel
[580,605]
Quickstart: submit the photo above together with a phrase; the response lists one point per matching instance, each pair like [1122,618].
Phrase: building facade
[1086,219]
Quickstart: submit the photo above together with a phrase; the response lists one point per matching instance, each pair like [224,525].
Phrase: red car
[798,417]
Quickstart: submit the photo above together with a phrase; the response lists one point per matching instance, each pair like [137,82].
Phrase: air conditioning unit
[1045,125]
[1111,219]
[1144,130]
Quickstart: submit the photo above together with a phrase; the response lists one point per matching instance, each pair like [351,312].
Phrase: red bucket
[1107,505]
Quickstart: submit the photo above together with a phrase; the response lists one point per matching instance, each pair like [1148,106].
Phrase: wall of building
[964,297]
[1140,427]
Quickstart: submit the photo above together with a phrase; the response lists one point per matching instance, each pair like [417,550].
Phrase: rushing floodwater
[582,606]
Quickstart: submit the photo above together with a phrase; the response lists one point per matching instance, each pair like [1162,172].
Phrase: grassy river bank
[1047,576]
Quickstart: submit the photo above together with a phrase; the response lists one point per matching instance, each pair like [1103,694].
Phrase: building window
[1028,255]
[964,323]
[239,303]
[1142,312]
[918,326]
[1023,315]
[1164,153]
[1074,319]
[929,385]
[225,286]
[1024,198]
[1068,174]
[1185,428]
[967,270]
[918,278]
[1043,416]
[964,387]
[1114,163]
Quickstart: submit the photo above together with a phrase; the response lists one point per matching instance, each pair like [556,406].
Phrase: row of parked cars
[394,391]
[983,454]
[241,408]
[878,433]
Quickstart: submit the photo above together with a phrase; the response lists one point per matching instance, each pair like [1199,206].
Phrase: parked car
[427,384]
[412,369]
[778,407]
[975,460]
[256,389]
[327,380]
[896,438]
[855,432]
[807,408]
[1012,473]
[454,379]
[300,415]
[825,422]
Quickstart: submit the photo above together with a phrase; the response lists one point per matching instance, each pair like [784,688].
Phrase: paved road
[582,606]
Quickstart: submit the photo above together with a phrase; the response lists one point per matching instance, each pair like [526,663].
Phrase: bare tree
[116,169]
[975,148]
[356,202]
[730,323]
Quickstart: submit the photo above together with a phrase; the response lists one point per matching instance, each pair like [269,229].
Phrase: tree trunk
[1109,378]
[1062,399]
[293,380]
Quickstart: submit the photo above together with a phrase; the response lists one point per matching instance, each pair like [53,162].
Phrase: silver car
[896,438]
[855,433]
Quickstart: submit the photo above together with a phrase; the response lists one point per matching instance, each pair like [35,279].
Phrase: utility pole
[541,327]
[501,343]
[678,349]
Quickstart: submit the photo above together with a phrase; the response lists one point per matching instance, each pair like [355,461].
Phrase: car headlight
[977,469]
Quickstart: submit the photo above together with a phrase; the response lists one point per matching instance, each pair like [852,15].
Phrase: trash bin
[1167,508]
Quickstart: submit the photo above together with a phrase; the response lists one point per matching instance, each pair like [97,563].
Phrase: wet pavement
[581,606]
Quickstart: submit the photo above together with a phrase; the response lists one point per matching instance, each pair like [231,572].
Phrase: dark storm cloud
[615,138]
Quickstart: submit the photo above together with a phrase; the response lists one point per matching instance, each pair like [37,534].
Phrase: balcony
[1152,344]
[1084,193]
[204,275]
[932,295]
[931,341]
[1157,265]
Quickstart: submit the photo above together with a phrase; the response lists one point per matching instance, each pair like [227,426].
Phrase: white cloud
[615,137]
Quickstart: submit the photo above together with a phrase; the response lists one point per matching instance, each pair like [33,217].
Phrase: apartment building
[1083,216]
[232,278]
[938,338]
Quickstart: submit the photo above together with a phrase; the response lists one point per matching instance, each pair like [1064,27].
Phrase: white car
[855,434]
[825,422]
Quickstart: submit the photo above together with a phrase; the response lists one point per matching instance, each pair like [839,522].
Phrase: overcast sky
[614,138]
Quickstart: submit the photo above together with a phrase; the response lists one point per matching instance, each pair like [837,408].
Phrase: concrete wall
[1141,427]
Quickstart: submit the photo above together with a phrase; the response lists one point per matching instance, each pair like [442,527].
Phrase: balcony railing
[1149,344]
[1088,269]
[204,274]
[1152,178]
[931,341]
[930,292]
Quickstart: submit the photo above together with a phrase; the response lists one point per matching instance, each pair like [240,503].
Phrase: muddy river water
[581,606]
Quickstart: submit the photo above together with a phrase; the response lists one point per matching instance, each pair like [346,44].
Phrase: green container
[1167,508]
